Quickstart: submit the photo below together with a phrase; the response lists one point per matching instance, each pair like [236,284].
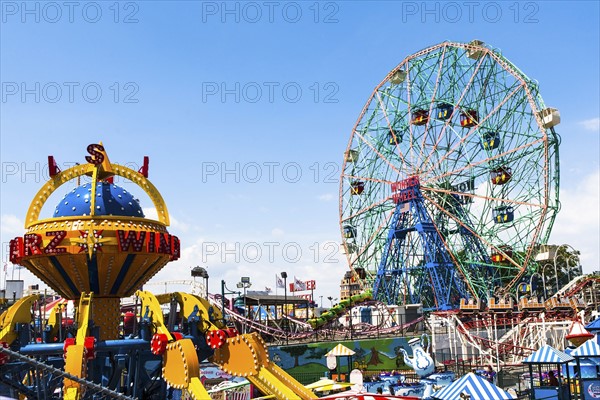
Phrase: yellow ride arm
[181,368]
[246,356]
[18,313]
[75,360]
[54,319]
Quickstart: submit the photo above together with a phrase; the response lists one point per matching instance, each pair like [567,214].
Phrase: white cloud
[578,222]
[11,225]
[592,124]
[150,213]
[175,224]
[259,258]
[228,258]
[325,197]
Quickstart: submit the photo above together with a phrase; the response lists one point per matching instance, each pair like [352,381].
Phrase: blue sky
[269,91]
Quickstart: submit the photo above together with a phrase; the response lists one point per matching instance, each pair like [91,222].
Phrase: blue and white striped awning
[548,355]
[593,326]
[589,349]
[475,386]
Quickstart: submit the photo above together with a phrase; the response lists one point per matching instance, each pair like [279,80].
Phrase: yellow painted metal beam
[181,368]
[151,305]
[189,303]
[75,360]
[67,175]
[247,356]
[18,313]
[54,319]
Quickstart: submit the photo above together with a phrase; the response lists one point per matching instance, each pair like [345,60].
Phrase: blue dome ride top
[110,200]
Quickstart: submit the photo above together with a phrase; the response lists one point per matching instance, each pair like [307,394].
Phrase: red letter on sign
[176,248]
[164,243]
[151,245]
[58,237]
[32,244]
[16,250]
[135,239]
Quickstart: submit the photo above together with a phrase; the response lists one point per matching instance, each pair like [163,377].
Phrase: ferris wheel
[450,179]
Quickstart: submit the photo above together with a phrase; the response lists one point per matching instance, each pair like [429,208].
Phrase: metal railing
[39,368]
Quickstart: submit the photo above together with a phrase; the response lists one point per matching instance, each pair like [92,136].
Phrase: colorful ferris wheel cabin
[503,214]
[490,140]
[394,137]
[501,175]
[420,117]
[444,111]
[468,118]
[357,187]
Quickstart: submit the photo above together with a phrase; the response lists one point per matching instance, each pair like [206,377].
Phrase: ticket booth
[587,358]
[540,363]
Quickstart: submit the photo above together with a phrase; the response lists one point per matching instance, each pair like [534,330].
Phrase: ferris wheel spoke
[463,225]
[482,197]
[443,130]
[472,130]
[391,130]
[373,236]
[366,209]
[427,82]
[412,93]
[496,157]
[374,150]
[432,103]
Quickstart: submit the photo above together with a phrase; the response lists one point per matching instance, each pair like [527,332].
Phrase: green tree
[316,353]
[562,267]
[295,352]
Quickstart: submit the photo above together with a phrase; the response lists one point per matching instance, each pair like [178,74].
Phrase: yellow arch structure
[65,176]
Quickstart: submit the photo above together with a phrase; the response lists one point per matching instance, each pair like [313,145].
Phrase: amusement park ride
[96,249]
[449,188]
[450,179]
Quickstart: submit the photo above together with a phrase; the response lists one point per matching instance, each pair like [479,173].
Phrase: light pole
[284,276]
[321,297]
[202,273]
[223,293]
[312,302]
[331,300]
[245,283]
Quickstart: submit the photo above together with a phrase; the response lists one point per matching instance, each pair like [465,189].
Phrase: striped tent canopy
[593,326]
[588,349]
[473,385]
[548,355]
[340,350]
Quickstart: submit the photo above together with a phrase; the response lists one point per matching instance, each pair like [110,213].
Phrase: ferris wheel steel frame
[489,185]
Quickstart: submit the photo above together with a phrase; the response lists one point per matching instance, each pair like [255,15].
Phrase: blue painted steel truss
[416,265]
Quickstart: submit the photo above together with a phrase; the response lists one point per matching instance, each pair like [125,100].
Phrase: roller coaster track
[301,331]
[528,330]
[289,328]
[578,284]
